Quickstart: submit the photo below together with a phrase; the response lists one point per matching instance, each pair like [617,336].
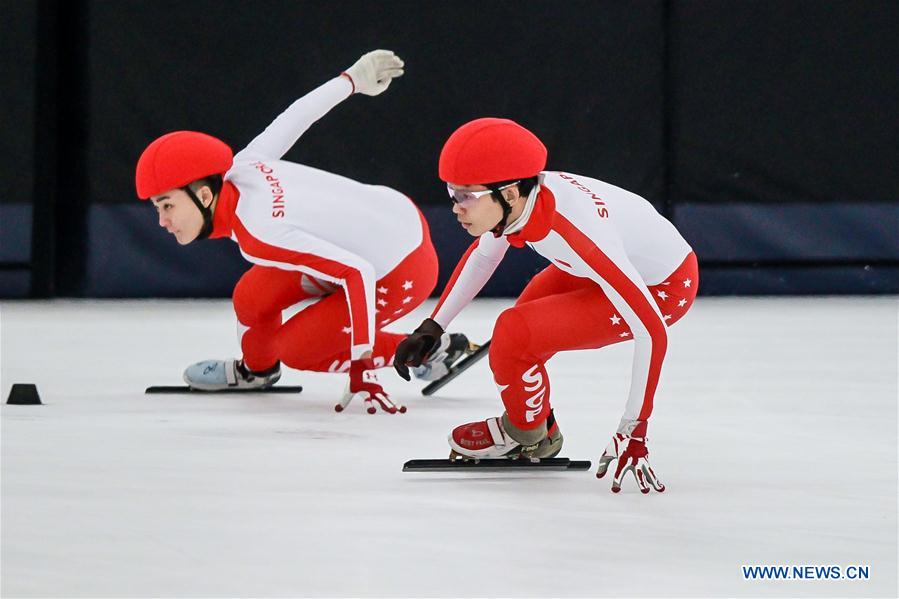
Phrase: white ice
[775,430]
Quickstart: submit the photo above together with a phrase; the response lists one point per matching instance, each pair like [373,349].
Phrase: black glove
[417,347]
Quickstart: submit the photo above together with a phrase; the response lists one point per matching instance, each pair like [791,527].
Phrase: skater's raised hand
[372,73]
[628,446]
[413,350]
[364,382]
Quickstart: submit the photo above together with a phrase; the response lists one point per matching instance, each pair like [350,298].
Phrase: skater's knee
[511,337]
[245,308]
[250,307]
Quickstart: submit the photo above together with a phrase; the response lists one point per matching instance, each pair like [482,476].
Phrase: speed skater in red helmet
[179,164]
[619,271]
[361,273]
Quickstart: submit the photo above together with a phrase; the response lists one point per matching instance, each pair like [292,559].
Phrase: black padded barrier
[765,130]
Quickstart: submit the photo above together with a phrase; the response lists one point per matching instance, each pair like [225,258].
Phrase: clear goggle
[466,198]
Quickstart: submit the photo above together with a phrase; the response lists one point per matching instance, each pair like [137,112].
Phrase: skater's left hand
[372,73]
[416,348]
[629,448]
[364,382]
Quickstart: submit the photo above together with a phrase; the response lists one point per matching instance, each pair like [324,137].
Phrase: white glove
[372,73]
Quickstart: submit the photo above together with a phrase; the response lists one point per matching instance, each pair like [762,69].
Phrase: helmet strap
[206,230]
[497,196]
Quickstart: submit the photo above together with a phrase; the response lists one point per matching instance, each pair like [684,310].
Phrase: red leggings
[318,337]
[558,312]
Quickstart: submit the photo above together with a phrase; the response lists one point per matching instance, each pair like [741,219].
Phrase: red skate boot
[499,438]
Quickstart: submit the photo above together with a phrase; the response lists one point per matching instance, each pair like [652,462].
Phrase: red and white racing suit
[364,250]
[619,271]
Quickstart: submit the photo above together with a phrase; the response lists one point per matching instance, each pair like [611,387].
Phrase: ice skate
[499,438]
[453,347]
[222,375]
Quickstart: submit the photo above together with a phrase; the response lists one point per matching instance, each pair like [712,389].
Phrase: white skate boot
[219,375]
[453,347]
[499,438]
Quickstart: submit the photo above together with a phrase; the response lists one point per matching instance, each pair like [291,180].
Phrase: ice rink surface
[775,430]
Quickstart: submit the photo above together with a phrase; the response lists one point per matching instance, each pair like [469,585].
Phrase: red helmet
[179,158]
[491,150]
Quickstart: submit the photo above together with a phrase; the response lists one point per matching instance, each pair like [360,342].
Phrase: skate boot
[219,375]
[499,438]
[453,347]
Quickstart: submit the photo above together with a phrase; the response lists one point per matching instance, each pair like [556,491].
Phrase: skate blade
[178,389]
[457,368]
[497,465]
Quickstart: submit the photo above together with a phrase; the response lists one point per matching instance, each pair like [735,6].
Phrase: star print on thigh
[672,304]
[396,300]
[396,295]
[674,296]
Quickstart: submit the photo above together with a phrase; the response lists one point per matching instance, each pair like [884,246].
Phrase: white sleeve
[608,265]
[631,297]
[285,130]
[471,274]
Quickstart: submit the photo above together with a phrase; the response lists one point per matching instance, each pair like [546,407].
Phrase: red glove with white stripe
[364,382]
[628,446]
